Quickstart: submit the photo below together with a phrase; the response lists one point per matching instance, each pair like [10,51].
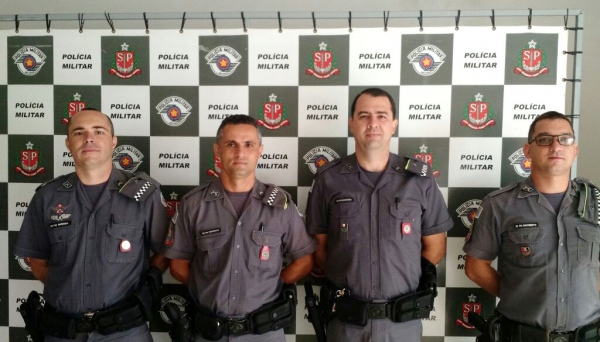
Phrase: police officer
[88,236]
[544,231]
[229,240]
[375,215]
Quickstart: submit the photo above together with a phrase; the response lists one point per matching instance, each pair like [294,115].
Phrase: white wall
[589,140]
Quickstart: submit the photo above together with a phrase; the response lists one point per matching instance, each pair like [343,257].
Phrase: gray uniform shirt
[548,262]
[236,262]
[87,268]
[374,231]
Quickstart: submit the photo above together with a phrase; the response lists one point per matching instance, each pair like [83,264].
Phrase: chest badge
[264,253]
[125,246]
[406,228]
[525,250]
[60,213]
[344,227]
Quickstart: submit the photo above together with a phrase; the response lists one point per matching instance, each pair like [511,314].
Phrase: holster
[589,332]
[32,312]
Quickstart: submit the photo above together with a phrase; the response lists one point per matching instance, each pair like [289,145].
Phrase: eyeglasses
[547,140]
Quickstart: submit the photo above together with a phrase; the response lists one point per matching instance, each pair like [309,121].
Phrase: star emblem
[478,97]
[173,196]
[77,97]
[124,47]
[472,298]
[29,145]
[527,163]
[423,148]
[273,98]
[322,46]
[532,44]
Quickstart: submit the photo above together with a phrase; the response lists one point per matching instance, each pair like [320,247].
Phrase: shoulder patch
[327,165]
[145,177]
[138,188]
[415,166]
[589,201]
[275,197]
[66,184]
[503,190]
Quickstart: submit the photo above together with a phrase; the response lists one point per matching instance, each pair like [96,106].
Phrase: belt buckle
[377,310]
[559,337]
[236,326]
[86,323]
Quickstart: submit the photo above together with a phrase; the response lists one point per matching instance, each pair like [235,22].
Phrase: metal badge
[67,185]
[527,188]
[264,253]
[349,167]
[125,246]
[214,193]
[406,228]
[525,250]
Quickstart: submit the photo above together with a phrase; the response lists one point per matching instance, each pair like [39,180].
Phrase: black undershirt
[555,200]
[373,176]
[238,201]
[93,192]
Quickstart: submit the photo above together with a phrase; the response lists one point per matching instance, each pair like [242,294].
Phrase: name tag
[210,231]
[342,200]
[526,225]
[59,224]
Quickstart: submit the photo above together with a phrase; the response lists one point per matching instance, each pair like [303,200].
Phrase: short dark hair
[551,115]
[375,92]
[112,127]
[238,119]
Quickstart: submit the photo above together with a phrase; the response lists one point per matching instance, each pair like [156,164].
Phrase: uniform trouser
[137,334]
[271,336]
[376,330]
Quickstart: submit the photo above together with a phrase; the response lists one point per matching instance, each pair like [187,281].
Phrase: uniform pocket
[344,219]
[211,247]
[63,245]
[121,236]
[265,252]
[523,247]
[404,221]
[588,246]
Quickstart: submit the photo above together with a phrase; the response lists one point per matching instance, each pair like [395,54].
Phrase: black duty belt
[516,331]
[401,309]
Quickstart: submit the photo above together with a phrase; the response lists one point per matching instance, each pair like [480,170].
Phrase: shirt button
[374,262]
[375,287]
[562,299]
[238,246]
[236,271]
[562,244]
[92,215]
[233,298]
[562,271]
[239,223]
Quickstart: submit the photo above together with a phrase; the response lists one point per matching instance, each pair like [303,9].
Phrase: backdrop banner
[465,99]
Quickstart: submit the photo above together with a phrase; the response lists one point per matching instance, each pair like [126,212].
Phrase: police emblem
[30,160]
[215,167]
[531,61]
[273,114]
[323,63]
[426,59]
[319,156]
[525,250]
[29,60]
[174,110]
[223,60]
[127,158]
[24,263]
[521,163]
[427,158]
[124,64]
[471,306]
[60,213]
[73,106]
[169,237]
[172,204]
[468,212]
[478,113]
[175,299]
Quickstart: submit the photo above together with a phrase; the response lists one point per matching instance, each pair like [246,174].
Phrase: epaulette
[275,197]
[196,189]
[415,166]
[139,187]
[503,190]
[50,181]
[327,165]
[589,201]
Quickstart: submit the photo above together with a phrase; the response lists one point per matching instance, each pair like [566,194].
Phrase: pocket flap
[62,234]
[589,234]
[345,209]
[526,235]
[405,209]
[213,241]
[124,231]
[266,238]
